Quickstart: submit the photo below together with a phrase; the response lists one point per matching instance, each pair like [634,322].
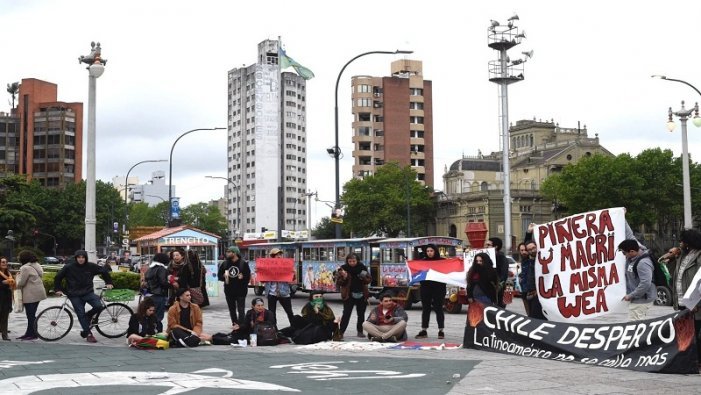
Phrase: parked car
[52,260]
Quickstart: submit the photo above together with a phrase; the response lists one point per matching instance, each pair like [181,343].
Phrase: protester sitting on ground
[79,277]
[259,321]
[143,323]
[386,322]
[316,324]
[482,280]
[185,321]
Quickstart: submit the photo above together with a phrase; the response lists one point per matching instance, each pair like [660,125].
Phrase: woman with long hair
[143,322]
[201,280]
[32,286]
[482,280]
[7,285]
[432,297]
[684,272]
[353,278]
[180,272]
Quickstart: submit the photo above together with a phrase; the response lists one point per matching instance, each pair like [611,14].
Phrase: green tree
[326,230]
[13,90]
[140,214]
[206,217]
[18,210]
[377,204]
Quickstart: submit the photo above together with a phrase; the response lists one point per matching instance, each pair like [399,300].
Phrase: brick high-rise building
[393,121]
[47,140]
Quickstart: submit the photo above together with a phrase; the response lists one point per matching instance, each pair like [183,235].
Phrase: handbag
[197,296]
[17,297]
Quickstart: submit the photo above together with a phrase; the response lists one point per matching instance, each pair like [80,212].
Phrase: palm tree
[13,89]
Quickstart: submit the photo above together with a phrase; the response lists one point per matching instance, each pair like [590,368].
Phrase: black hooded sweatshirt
[79,278]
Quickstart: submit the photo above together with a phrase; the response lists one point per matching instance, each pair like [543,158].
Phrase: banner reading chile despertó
[664,345]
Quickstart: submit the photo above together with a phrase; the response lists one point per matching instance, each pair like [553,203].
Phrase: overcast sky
[168,62]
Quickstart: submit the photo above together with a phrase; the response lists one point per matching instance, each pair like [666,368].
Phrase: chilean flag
[451,271]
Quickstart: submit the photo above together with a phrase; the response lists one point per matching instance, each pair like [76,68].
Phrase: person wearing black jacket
[158,285]
[79,276]
[482,280]
[142,323]
[235,273]
[432,298]
[502,267]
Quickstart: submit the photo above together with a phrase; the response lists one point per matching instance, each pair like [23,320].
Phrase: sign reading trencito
[185,240]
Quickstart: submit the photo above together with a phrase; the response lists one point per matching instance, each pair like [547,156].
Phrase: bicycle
[54,323]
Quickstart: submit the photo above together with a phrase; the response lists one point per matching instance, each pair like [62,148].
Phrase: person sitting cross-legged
[386,322]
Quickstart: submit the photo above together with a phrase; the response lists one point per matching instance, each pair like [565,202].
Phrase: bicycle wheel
[113,320]
[53,323]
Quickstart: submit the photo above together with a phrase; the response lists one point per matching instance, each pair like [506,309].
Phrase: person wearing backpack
[158,285]
[640,289]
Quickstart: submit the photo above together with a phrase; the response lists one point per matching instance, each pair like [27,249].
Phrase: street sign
[125,241]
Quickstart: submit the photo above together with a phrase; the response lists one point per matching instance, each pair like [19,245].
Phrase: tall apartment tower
[393,121]
[267,146]
[9,144]
[48,138]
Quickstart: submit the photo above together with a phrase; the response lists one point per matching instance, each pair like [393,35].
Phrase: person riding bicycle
[79,276]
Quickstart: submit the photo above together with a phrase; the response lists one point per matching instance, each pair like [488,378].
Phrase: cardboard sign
[579,272]
[275,269]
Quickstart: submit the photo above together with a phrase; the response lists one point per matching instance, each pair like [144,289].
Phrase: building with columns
[473,185]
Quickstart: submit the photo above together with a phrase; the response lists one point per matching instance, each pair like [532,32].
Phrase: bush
[126,280]
[120,280]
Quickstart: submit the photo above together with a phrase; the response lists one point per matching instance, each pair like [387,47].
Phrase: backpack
[267,333]
[658,274]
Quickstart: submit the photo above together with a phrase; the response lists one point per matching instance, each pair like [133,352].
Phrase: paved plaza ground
[72,366]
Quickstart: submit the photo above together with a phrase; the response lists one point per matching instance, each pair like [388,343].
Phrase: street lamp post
[126,192]
[170,171]
[683,115]
[96,66]
[238,202]
[336,150]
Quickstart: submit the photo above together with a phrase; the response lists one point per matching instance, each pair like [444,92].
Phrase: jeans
[236,304]
[348,304]
[79,302]
[160,302]
[31,310]
[286,305]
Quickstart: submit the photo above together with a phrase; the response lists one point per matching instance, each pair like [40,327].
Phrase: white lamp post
[96,66]
[683,115]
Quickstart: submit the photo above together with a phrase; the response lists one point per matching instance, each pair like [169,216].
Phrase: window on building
[416,106]
[416,92]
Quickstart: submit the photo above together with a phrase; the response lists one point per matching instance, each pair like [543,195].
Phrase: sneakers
[90,338]
[392,339]
[377,339]
[361,334]
[441,335]
[422,335]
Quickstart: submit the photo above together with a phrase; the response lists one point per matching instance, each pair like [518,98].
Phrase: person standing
[79,277]
[482,280]
[432,298]
[353,278]
[502,267]
[523,261]
[689,264]
[30,282]
[640,290]
[7,285]
[535,310]
[279,291]
[198,267]
[235,273]
[125,261]
[180,272]
[157,280]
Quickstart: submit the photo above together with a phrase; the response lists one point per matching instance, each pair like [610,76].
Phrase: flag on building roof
[286,61]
